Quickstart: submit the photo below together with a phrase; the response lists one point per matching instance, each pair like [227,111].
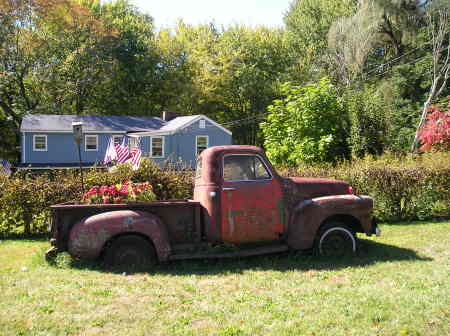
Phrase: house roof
[63,123]
[179,123]
[109,124]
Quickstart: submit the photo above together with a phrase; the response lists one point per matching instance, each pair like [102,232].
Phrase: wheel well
[349,220]
[113,238]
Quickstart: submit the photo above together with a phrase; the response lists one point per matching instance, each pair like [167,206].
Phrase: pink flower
[103,190]
[93,190]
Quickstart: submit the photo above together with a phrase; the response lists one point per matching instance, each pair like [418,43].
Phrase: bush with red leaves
[435,133]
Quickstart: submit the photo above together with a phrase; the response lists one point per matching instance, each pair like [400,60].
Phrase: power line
[394,59]
[410,62]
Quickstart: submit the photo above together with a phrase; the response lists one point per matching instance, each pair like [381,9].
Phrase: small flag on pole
[5,167]
[111,153]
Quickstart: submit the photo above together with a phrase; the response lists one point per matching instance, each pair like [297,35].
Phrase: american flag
[111,153]
[135,158]
[122,152]
[5,167]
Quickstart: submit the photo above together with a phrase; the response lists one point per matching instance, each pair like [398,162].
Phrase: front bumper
[374,229]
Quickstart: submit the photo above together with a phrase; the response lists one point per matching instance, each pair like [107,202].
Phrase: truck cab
[241,194]
[245,200]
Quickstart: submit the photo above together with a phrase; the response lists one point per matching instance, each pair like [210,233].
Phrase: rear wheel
[335,239]
[130,253]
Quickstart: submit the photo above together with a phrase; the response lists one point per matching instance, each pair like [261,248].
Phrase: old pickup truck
[241,207]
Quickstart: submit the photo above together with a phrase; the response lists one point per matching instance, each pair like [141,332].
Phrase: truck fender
[88,237]
[309,215]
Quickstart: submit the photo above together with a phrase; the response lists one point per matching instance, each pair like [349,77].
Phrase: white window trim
[162,144]
[202,123]
[137,144]
[196,142]
[117,136]
[85,142]
[34,143]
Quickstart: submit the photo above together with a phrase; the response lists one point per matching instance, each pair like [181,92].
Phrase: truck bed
[183,218]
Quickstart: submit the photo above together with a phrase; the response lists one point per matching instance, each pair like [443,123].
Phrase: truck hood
[299,189]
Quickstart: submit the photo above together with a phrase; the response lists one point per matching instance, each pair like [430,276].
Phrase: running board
[231,254]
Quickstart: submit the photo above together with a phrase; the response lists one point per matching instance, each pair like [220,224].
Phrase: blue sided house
[47,140]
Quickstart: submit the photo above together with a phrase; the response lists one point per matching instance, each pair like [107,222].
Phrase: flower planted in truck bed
[120,193]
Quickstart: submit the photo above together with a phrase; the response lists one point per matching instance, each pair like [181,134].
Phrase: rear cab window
[198,170]
[244,167]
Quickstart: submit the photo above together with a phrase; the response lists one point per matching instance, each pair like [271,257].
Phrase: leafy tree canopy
[307,126]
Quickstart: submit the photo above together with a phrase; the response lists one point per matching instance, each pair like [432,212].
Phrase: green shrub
[306,126]
[368,122]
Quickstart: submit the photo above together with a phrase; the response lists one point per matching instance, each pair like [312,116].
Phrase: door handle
[228,189]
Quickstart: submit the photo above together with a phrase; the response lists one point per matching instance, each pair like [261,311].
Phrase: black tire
[130,253]
[335,239]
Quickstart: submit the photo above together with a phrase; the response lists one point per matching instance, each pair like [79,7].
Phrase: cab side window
[244,168]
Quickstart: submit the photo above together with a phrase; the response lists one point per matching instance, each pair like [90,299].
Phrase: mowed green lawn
[398,284]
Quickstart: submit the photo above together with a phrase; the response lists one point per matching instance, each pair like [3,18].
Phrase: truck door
[252,206]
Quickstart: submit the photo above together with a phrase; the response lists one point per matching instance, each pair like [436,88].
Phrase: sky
[223,12]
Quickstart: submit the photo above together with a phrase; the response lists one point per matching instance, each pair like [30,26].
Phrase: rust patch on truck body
[89,236]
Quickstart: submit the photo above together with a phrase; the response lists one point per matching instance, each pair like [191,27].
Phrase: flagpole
[77,135]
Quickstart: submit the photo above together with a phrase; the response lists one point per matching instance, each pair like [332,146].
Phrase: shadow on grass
[370,252]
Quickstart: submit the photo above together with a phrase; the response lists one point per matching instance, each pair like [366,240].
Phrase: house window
[40,143]
[201,143]
[117,139]
[91,142]
[202,123]
[157,147]
[134,143]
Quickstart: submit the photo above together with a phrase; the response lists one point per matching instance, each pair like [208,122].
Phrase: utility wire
[394,59]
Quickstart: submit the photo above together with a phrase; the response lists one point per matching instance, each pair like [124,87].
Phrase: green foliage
[404,188]
[368,122]
[307,126]
[25,198]
[403,95]
[308,23]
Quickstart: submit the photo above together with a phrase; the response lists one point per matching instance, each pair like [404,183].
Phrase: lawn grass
[398,284]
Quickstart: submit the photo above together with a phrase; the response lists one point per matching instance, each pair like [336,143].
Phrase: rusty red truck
[240,201]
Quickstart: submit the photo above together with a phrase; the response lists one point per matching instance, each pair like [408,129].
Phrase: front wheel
[131,253]
[335,239]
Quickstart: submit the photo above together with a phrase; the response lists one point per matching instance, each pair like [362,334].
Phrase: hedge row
[404,188]
[407,188]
